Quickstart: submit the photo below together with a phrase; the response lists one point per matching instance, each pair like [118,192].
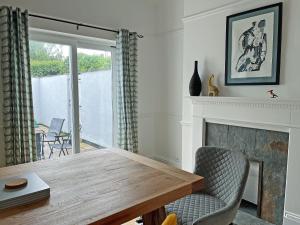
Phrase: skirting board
[294,218]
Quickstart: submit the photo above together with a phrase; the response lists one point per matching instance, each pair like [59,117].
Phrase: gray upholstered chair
[225,174]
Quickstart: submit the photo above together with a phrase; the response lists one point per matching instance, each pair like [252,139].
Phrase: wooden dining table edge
[147,205]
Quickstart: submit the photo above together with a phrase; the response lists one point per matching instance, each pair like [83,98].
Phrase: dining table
[108,186]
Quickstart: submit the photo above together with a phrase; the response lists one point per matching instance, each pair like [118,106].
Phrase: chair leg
[42,150]
[61,151]
[51,152]
[41,156]
[67,151]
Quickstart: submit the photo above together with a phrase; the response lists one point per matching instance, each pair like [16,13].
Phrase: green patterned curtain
[126,56]
[17,108]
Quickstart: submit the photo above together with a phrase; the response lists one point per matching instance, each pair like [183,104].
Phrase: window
[72,93]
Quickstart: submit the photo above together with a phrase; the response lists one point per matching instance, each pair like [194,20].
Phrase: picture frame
[253,46]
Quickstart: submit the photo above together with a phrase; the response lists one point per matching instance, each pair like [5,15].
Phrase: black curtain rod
[77,24]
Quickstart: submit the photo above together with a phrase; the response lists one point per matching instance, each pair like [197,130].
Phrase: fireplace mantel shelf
[257,102]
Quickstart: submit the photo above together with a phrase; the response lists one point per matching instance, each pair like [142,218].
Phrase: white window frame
[75,41]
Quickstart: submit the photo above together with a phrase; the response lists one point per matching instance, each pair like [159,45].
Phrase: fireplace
[252,198]
[267,151]
[260,117]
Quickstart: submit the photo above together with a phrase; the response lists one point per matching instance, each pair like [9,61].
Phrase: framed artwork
[253,46]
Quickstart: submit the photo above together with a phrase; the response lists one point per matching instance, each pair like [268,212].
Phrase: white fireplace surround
[268,114]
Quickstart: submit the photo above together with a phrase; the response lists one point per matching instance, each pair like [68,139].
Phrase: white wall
[204,32]
[95,100]
[136,15]
[49,103]
[170,38]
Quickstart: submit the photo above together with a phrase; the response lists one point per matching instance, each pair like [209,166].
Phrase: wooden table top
[109,186]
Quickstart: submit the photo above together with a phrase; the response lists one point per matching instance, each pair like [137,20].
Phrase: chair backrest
[225,172]
[56,125]
[68,139]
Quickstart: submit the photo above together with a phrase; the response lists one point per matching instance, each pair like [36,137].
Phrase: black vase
[195,83]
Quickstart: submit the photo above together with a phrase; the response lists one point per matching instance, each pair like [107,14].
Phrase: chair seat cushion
[194,206]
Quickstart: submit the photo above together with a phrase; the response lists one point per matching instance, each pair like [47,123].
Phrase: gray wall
[51,98]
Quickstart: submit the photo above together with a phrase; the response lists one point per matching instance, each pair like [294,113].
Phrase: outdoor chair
[52,136]
[225,174]
[64,144]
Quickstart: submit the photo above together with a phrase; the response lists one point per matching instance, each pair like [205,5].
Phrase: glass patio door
[95,98]
[72,93]
[52,98]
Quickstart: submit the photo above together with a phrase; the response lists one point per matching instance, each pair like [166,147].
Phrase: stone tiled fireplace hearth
[268,147]
[266,115]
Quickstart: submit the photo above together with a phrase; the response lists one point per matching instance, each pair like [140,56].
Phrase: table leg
[155,217]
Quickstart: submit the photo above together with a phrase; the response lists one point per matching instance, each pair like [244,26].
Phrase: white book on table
[36,189]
